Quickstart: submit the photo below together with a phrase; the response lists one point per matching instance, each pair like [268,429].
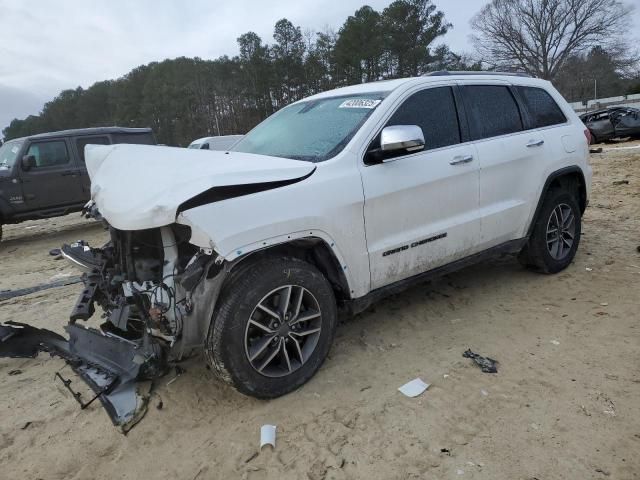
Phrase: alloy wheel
[283,331]
[561,228]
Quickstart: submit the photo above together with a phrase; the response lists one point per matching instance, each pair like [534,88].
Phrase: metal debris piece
[110,366]
[19,340]
[486,364]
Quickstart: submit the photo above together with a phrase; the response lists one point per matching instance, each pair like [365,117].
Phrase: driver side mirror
[28,162]
[395,141]
[401,137]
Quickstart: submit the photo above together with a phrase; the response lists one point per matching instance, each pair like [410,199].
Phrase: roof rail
[442,73]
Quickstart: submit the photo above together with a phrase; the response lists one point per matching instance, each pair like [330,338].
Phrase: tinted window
[49,154]
[433,110]
[492,111]
[542,108]
[84,141]
[136,138]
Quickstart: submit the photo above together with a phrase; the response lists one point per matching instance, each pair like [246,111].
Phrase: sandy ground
[564,405]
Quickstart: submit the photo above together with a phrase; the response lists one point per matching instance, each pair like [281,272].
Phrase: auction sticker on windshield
[360,103]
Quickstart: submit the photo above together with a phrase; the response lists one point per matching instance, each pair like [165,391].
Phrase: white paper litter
[589,269]
[267,436]
[413,388]
[555,342]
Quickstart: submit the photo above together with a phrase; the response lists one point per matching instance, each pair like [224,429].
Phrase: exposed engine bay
[151,286]
[135,279]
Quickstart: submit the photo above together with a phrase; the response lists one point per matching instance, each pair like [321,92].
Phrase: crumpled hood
[141,186]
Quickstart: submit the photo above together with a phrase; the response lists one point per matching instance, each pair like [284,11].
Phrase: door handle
[460,159]
[535,143]
[66,174]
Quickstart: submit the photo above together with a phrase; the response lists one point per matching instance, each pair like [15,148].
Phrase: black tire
[229,343]
[537,254]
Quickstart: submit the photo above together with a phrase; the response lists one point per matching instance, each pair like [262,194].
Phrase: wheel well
[572,181]
[570,178]
[312,250]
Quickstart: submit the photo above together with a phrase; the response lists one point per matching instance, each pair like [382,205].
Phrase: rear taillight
[587,134]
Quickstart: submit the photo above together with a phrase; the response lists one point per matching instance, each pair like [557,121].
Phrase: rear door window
[543,109]
[491,111]
[49,154]
[84,141]
[433,110]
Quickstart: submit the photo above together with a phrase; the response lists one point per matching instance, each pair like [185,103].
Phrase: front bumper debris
[112,367]
[156,300]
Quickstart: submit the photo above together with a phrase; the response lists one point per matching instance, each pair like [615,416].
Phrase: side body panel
[11,195]
[51,186]
[327,205]
[79,144]
[566,149]
[515,167]
[420,209]
[510,166]
[420,212]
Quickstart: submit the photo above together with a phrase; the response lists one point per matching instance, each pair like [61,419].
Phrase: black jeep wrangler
[44,175]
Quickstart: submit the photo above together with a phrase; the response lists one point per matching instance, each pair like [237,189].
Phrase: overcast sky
[47,46]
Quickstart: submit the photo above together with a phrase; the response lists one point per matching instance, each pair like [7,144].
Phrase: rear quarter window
[491,111]
[137,138]
[542,108]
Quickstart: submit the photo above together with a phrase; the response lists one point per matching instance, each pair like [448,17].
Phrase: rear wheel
[273,327]
[556,233]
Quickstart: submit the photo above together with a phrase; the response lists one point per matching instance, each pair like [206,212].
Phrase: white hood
[141,186]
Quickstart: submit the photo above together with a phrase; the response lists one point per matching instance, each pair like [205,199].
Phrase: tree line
[185,98]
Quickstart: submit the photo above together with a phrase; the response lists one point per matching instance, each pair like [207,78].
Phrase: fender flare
[282,240]
[550,179]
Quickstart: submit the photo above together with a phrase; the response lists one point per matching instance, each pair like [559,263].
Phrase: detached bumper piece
[110,366]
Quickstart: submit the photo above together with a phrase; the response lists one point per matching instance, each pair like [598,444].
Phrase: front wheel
[273,327]
[556,233]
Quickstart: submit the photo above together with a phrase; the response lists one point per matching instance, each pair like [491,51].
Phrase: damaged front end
[156,292]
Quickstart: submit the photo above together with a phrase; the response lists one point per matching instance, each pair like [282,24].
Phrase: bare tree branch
[538,36]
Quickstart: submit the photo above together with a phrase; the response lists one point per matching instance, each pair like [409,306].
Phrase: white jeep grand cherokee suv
[326,206]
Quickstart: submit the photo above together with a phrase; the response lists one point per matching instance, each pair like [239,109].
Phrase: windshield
[8,154]
[314,130]
[195,145]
